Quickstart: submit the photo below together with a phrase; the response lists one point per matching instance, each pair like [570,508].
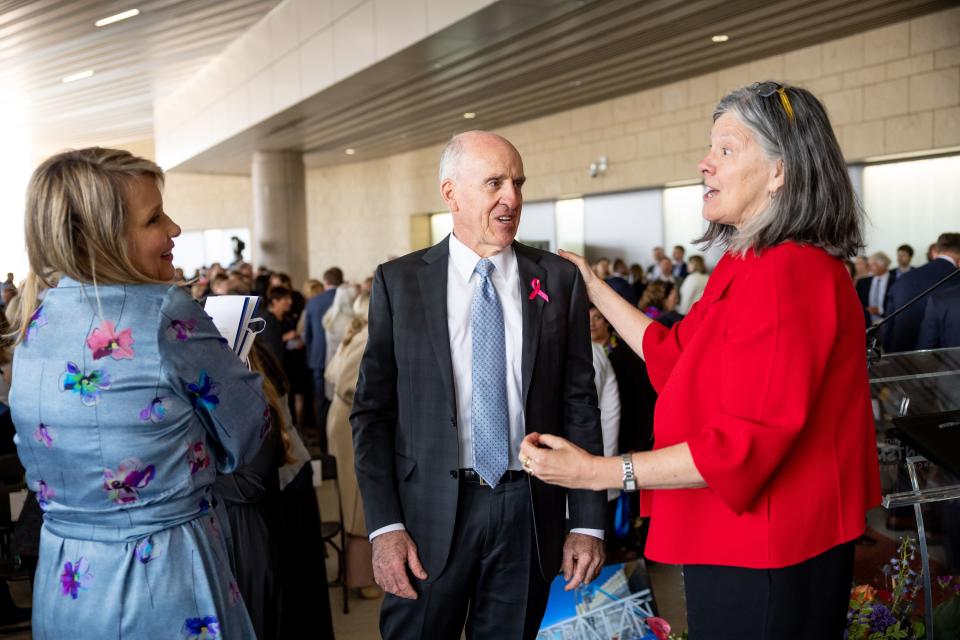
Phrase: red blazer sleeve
[662,347]
[780,328]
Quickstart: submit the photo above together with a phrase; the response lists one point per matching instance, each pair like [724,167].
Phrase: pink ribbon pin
[537,291]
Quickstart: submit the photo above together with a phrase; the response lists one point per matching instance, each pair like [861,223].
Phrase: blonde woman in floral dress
[126,403]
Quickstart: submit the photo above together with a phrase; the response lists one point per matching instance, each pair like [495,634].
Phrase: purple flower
[37,320]
[205,628]
[147,550]
[265,425]
[42,435]
[880,618]
[123,486]
[197,457]
[155,411]
[76,576]
[44,494]
[235,595]
[182,329]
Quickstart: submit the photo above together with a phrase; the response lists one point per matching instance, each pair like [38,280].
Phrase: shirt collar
[948,259]
[464,259]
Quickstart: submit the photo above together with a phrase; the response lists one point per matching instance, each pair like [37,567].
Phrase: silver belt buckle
[483,482]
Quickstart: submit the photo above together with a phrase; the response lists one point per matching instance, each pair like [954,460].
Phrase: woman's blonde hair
[75,221]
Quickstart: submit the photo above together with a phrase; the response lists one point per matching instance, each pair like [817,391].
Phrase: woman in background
[342,372]
[126,405]
[693,285]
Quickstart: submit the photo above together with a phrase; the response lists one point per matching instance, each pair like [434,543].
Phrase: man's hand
[392,553]
[583,557]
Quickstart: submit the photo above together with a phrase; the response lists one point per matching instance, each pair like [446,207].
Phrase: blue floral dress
[127,402]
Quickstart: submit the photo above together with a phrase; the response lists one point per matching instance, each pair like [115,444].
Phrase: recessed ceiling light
[350,152]
[720,38]
[102,22]
[469,115]
[73,77]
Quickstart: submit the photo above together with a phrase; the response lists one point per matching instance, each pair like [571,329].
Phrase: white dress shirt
[878,292]
[462,283]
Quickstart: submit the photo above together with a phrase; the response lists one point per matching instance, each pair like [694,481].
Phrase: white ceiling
[522,59]
[527,58]
[41,41]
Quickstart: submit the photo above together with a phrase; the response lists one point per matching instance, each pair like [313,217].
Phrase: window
[196,249]
[910,202]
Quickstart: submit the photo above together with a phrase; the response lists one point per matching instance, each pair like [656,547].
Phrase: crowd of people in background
[314,336]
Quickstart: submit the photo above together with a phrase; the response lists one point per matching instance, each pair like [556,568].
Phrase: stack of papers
[233,318]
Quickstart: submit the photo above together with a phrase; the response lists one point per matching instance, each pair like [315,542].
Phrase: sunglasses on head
[767,89]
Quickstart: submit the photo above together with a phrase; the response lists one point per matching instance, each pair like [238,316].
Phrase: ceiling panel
[518,60]
[41,41]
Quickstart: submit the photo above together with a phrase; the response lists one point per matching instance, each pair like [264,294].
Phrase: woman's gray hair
[817,204]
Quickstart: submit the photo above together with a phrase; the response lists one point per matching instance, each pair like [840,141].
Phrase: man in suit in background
[315,337]
[874,291]
[473,343]
[904,258]
[902,332]
[941,319]
[679,267]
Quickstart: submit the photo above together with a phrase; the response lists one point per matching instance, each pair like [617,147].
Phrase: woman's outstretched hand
[558,461]
[589,277]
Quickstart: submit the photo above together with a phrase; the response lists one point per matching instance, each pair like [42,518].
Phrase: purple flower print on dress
[182,329]
[265,425]
[147,550]
[76,577]
[87,385]
[155,411]
[214,526]
[197,456]
[44,494]
[105,341]
[123,486]
[205,628]
[203,392]
[42,435]
[37,320]
[235,596]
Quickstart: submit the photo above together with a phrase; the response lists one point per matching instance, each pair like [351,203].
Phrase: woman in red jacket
[765,455]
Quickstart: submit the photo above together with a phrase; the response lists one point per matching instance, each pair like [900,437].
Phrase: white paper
[232,316]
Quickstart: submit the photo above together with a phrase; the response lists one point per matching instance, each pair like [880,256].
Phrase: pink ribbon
[537,291]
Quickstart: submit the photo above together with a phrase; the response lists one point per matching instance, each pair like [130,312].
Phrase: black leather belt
[471,476]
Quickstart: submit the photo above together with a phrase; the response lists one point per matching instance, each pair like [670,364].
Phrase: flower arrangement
[893,612]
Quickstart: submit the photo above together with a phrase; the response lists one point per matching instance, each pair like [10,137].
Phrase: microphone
[874,352]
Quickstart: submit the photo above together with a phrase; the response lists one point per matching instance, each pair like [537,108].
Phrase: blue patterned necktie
[491,426]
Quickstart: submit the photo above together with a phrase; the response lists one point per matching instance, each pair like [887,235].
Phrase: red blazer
[766,381]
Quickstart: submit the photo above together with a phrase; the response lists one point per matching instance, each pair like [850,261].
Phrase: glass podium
[916,407]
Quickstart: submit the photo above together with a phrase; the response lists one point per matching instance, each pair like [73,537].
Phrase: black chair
[331,530]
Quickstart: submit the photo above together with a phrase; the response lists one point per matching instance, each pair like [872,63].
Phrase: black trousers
[805,601]
[492,581]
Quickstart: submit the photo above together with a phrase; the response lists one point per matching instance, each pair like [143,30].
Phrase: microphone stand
[874,352]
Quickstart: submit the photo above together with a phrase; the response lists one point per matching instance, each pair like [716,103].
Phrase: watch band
[629,479]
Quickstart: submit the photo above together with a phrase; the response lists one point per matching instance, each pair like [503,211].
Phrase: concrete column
[280,213]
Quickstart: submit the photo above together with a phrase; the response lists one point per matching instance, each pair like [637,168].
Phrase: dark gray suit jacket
[941,319]
[404,412]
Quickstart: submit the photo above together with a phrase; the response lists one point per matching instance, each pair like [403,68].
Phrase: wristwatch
[629,480]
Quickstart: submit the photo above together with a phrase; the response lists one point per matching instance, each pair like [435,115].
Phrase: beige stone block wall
[198,201]
[891,90]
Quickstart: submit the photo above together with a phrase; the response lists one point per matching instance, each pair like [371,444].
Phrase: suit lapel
[529,268]
[433,291]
